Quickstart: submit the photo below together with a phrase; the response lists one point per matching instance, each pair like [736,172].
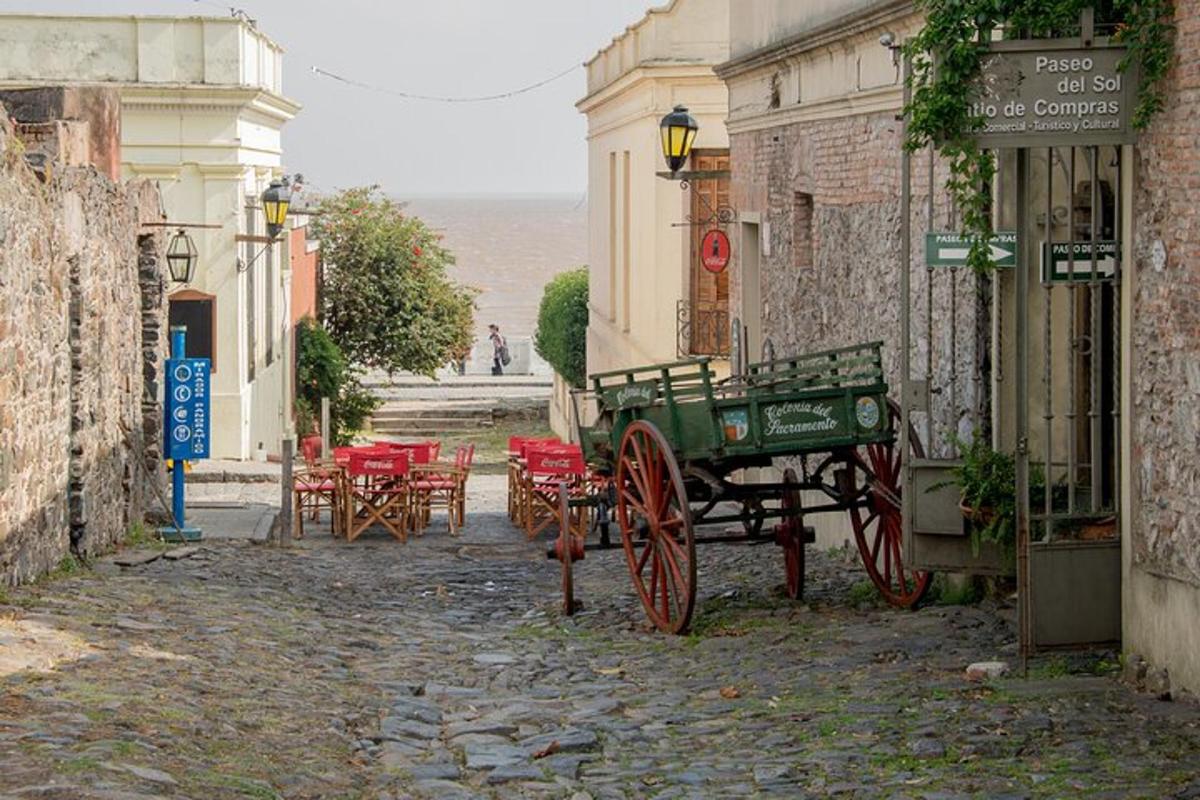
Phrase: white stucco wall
[202,111]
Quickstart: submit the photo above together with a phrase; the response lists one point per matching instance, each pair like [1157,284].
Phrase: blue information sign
[186,425]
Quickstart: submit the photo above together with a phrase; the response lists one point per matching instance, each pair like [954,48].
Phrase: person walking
[500,357]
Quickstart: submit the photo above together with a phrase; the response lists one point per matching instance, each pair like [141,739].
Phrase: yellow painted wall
[637,260]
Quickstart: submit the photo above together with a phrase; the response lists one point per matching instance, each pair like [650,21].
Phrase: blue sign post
[186,425]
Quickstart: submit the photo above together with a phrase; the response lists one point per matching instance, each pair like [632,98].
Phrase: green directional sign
[1061,270]
[951,249]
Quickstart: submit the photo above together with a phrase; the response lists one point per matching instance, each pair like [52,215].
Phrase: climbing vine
[954,39]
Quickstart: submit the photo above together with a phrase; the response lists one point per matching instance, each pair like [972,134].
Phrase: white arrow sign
[961,253]
[944,249]
[1081,271]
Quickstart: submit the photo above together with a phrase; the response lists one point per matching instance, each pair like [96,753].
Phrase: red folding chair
[442,486]
[547,469]
[314,488]
[378,492]
[517,447]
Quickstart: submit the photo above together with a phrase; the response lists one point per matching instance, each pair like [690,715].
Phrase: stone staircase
[415,406]
[432,418]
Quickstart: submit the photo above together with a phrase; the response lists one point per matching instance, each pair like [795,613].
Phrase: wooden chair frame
[314,488]
[548,468]
[377,491]
[442,486]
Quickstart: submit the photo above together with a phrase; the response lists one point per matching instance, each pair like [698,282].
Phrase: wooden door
[708,291]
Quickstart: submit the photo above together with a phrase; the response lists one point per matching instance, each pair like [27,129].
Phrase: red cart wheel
[656,527]
[789,534]
[877,527]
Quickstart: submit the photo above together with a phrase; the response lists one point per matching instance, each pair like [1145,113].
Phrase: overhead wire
[234,11]
[443,98]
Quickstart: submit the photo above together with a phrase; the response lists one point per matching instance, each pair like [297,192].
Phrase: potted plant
[987,483]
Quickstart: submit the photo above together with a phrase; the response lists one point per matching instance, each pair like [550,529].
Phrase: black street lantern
[678,133]
[275,202]
[181,257]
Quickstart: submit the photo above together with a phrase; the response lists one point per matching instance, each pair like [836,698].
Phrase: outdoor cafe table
[419,452]
[374,488]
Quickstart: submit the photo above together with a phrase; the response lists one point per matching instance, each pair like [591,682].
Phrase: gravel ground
[443,669]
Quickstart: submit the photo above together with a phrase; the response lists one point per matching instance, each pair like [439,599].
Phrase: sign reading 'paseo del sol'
[1045,93]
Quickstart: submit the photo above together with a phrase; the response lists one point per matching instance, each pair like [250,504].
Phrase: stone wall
[1162,570]
[828,194]
[1166,326]
[74,316]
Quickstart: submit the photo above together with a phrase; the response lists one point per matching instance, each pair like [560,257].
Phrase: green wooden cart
[668,439]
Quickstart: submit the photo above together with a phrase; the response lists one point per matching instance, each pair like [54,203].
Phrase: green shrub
[561,336]
[387,298]
[323,371]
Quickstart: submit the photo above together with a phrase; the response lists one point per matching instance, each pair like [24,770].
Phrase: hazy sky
[347,136]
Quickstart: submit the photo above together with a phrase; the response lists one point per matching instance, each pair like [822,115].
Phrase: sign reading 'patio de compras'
[1053,96]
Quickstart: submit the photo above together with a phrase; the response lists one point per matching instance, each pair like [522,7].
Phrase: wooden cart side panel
[805,421]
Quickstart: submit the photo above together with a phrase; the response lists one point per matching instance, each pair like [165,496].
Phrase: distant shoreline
[491,196]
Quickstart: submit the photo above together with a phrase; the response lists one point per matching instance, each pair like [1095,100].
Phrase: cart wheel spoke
[637,475]
[878,539]
[653,491]
[876,519]
[654,569]
[671,561]
[664,589]
[641,564]
[636,503]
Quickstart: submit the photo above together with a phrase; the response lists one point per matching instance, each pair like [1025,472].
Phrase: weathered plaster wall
[74,310]
[1162,578]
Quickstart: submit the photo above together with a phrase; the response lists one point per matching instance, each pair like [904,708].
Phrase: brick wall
[77,320]
[84,121]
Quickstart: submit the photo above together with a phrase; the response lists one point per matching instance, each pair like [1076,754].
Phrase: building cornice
[648,72]
[820,36]
[218,172]
[652,111]
[207,97]
[156,172]
[870,101]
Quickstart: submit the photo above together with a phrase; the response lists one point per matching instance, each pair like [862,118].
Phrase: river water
[508,246]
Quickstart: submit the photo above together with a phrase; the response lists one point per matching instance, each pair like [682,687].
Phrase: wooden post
[325,451]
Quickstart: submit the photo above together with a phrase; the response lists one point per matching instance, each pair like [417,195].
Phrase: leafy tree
[323,371]
[387,300]
[561,336]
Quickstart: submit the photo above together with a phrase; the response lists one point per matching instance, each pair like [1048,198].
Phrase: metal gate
[1028,357]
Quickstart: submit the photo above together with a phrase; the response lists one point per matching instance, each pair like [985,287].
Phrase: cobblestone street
[444,669]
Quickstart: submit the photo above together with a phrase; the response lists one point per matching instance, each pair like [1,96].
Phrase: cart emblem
[866,410]
[736,424]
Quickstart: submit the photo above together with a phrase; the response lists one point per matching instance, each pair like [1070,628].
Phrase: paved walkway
[442,669]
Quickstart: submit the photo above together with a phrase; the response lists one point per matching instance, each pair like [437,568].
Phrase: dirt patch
[37,646]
